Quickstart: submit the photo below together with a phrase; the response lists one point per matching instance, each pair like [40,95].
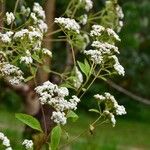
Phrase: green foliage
[55,137]
[29,121]
[85,67]
[74,117]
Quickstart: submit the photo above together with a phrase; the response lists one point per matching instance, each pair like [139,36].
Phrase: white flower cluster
[98,30]
[6,37]
[83,19]
[68,24]
[113,34]
[103,49]
[5,141]
[54,96]
[27,59]
[13,73]
[39,11]
[111,106]
[25,11]
[79,78]
[31,35]
[9,18]
[120,16]
[47,52]
[88,4]
[117,66]
[28,144]
[94,55]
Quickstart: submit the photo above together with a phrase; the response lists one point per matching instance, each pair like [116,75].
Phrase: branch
[128,93]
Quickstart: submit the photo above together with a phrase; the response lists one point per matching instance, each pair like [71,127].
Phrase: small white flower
[120,110]
[28,143]
[111,32]
[33,16]
[99,97]
[119,12]
[21,33]
[47,52]
[59,117]
[5,141]
[105,48]
[95,56]
[68,24]
[39,10]
[27,59]
[42,26]
[9,18]
[88,4]
[83,19]
[97,30]
[13,73]
[25,11]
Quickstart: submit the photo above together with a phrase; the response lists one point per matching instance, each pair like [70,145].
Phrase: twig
[128,93]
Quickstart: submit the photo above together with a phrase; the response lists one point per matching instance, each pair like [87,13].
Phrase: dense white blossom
[68,24]
[28,144]
[59,117]
[97,30]
[6,37]
[53,95]
[95,56]
[112,107]
[5,141]
[105,48]
[13,73]
[21,33]
[119,68]
[9,18]
[39,10]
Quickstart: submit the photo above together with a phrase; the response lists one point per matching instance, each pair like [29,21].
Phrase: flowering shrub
[22,55]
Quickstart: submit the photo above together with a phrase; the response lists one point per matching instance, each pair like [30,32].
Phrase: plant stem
[91,83]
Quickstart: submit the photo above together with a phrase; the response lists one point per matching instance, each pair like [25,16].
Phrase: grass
[127,135]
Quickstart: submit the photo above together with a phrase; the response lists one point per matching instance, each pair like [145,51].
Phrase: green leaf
[55,137]
[29,120]
[83,68]
[36,57]
[72,115]
[94,110]
[88,68]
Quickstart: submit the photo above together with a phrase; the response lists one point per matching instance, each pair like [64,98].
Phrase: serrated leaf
[72,115]
[55,137]
[29,120]
[94,110]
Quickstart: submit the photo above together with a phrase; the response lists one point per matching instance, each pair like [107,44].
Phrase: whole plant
[93,35]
